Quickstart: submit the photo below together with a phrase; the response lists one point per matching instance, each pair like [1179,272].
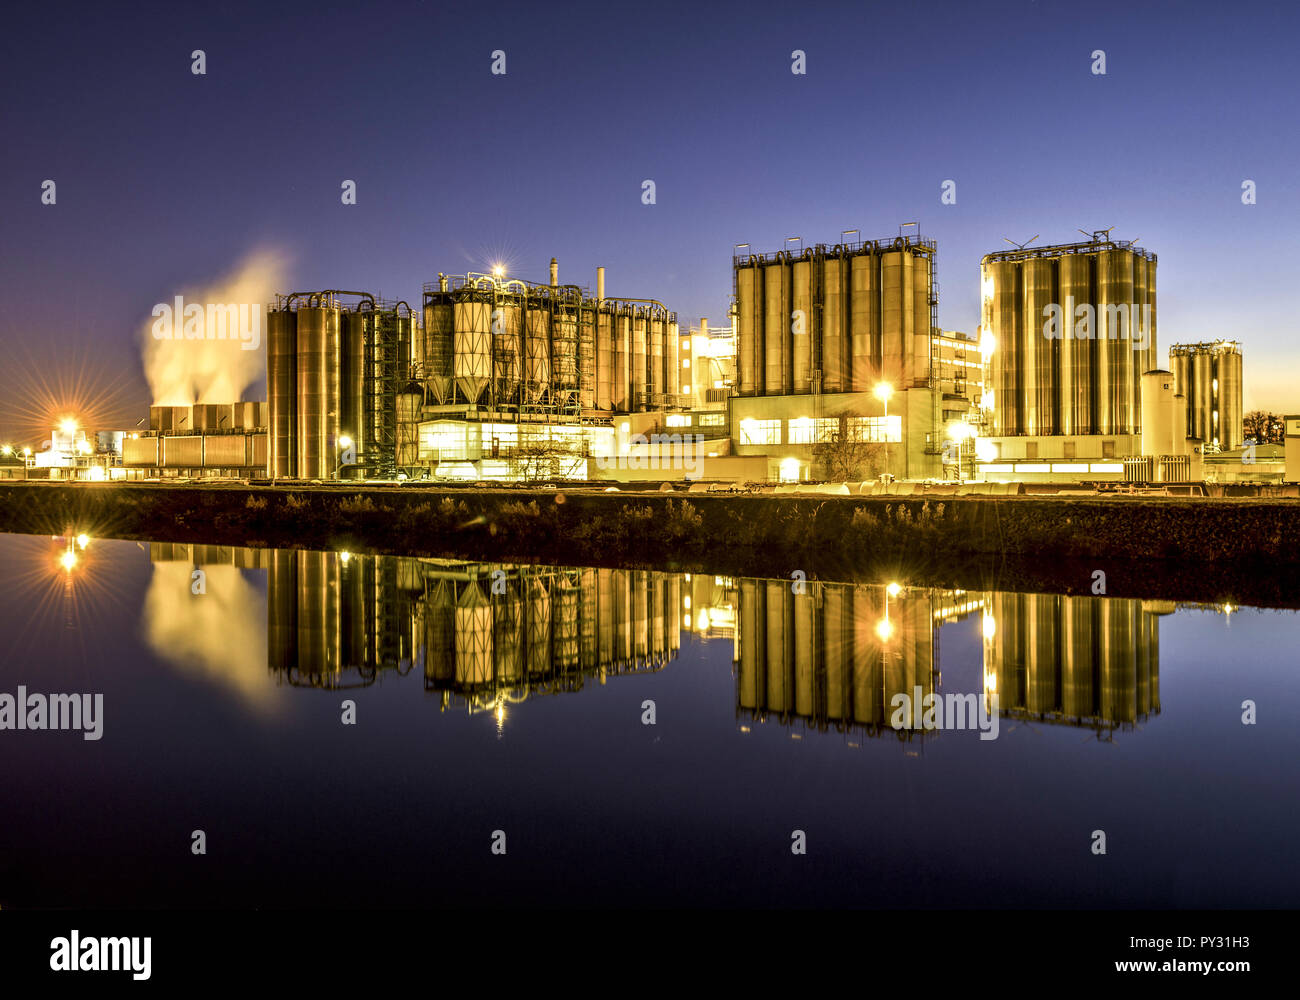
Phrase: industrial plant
[831,366]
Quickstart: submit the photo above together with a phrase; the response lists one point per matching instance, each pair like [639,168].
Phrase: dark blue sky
[166,180]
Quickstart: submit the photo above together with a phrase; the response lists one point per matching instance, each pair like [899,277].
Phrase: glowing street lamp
[344,443]
[883,391]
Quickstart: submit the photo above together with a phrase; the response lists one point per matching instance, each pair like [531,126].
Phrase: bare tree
[847,453]
[1262,427]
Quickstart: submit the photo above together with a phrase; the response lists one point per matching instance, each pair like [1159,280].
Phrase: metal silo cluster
[1209,376]
[548,348]
[1079,380]
[835,319]
[334,370]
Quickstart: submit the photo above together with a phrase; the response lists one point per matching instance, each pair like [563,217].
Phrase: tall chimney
[555,272]
[600,284]
[704,327]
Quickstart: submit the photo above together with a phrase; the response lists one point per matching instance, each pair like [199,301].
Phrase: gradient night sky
[167,180]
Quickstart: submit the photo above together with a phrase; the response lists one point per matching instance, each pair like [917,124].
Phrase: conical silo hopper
[472,343]
[474,649]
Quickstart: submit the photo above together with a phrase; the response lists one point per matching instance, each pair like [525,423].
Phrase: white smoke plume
[182,369]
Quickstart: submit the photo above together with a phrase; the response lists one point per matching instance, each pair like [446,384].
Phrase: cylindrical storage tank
[1141,335]
[352,375]
[564,350]
[604,360]
[225,451]
[1153,353]
[1201,398]
[318,391]
[638,358]
[896,316]
[507,349]
[1008,364]
[918,360]
[776,327]
[655,380]
[282,389]
[472,346]
[1114,299]
[537,352]
[749,327]
[1231,433]
[1181,362]
[1074,356]
[439,349]
[802,323]
[181,452]
[621,383]
[587,357]
[1041,358]
[673,363]
[864,321]
[1158,413]
[835,302]
[1078,620]
[408,428]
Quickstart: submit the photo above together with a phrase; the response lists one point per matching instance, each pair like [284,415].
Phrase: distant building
[1209,376]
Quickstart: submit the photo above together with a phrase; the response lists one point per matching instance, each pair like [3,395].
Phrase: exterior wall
[906,459]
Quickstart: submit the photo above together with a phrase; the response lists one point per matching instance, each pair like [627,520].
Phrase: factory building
[1072,329]
[493,377]
[1208,376]
[708,365]
[835,341]
[205,440]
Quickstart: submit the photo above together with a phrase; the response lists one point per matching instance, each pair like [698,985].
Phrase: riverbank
[1242,551]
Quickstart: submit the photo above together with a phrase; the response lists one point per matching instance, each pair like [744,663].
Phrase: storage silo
[1008,357]
[1079,616]
[1231,433]
[587,358]
[1041,357]
[775,331]
[564,354]
[507,348]
[605,359]
[864,321]
[352,376]
[834,323]
[749,325]
[537,348]
[897,315]
[1075,415]
[802,334]
[318,391]
[620,396]
[637,362]
[918,355]
[1181,362]
[1158,412]
[472,346]
[282,389]
[673,363]
[655,380]
[439,349]
[1201,399]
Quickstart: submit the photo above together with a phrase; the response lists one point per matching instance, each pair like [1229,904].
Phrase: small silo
[507,340]
[621,336]
[1202,395]
[1004,315]
[776,326]
[802,335]
[749,327]
[352,376]
[282,389]
[1158,412]
[318,390]
[638,361]
[537,348]
[835,302]
[673,362]
[864,321]
[472,345]
[605,355]
[897,314]
[1231,433]
[474,647]
[439,347]
[918,350]
[1040,354]
[1074,284]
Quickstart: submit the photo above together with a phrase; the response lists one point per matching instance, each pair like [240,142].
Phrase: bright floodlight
[893,590]
[498,270]
[8,449]
[884,629]
[345,441]
[83,540]
[884,390]
[68,426]
[986,450]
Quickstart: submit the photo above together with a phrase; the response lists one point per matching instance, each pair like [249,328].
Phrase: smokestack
[600,284]
[555,272]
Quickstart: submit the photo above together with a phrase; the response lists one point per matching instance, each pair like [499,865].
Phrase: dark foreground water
[507,705]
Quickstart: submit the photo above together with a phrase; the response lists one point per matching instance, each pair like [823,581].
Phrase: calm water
[492,697]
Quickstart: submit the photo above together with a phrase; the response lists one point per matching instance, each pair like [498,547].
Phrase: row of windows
[819,430]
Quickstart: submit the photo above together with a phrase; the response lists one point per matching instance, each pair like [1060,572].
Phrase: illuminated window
[686,362]
[760,431]
[711,419]
[800,430]
[879,429]
[686,388]
[686,343]
[678,420]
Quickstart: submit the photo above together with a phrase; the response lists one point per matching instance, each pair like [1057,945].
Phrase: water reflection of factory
[485,634]
[828,655]
[835,655]
[1081,661]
